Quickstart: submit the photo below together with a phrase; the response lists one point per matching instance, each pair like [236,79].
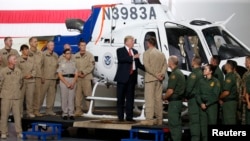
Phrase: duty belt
[191,96]
[229,99]
[174,99]
[69,75]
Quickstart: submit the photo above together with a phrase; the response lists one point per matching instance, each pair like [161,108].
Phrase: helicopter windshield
[222,44]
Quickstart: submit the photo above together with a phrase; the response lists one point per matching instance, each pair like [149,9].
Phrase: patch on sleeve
[211,84]
[228,80]
[193,76]
[172,76]
[218,84]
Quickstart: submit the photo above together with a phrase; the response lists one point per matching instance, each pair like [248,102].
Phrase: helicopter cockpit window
[184,43]
[149,34]
[222,44]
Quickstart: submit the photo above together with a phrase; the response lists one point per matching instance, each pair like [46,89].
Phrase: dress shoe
[71,118]
[19,135]
[78,114]
[120,120]
[3,136]
[147,122]
[64,117]
[30,115]
[37,114]
[130,120]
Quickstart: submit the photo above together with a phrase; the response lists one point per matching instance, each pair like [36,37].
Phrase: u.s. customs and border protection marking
[211,84]
[172,76]
[193,76]
[108,60]
[228,80]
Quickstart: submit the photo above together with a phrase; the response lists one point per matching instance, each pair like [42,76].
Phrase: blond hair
[127,38]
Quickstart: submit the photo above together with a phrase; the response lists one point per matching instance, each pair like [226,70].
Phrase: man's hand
[136,56]
[248,106]
[42,80]
[203,106]
[243,98]
[80,74]
[221,102]
[160,76]
[28,76]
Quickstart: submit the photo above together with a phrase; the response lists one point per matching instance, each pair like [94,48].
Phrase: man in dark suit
[126,78]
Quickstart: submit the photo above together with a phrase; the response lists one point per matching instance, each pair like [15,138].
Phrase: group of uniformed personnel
[33,75]
[212,93]
[209,93]
[29,79]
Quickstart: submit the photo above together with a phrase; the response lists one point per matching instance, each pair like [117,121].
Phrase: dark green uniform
[220,76]
[208,92]
[193,107]
[177,83]
[248,92]
[229,106]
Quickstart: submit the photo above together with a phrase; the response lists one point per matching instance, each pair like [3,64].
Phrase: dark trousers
[174,119]
[229,112]
[208,117]
[126,94]
[194,119]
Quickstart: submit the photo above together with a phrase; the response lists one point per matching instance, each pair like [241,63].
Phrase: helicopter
[105,29]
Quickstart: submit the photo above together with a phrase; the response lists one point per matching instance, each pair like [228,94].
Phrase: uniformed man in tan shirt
[10,87]
[49,78]
[7,50]
[37,56]
[155,65]
[85,64]
[67,74]
[26,65]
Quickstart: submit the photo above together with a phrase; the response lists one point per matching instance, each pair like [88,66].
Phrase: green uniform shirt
[230,85]
[176,82]
[208,91]
[219,75]
[191,84]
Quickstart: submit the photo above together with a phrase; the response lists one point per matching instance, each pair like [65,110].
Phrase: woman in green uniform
[207,98]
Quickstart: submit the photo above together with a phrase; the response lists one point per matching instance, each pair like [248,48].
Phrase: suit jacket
[124,65]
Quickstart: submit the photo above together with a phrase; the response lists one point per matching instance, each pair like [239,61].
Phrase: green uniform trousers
[208,117]
[194,119]
[174,119]
[247,116]
[229,112]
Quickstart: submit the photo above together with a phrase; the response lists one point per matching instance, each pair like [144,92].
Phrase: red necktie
[130,54]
